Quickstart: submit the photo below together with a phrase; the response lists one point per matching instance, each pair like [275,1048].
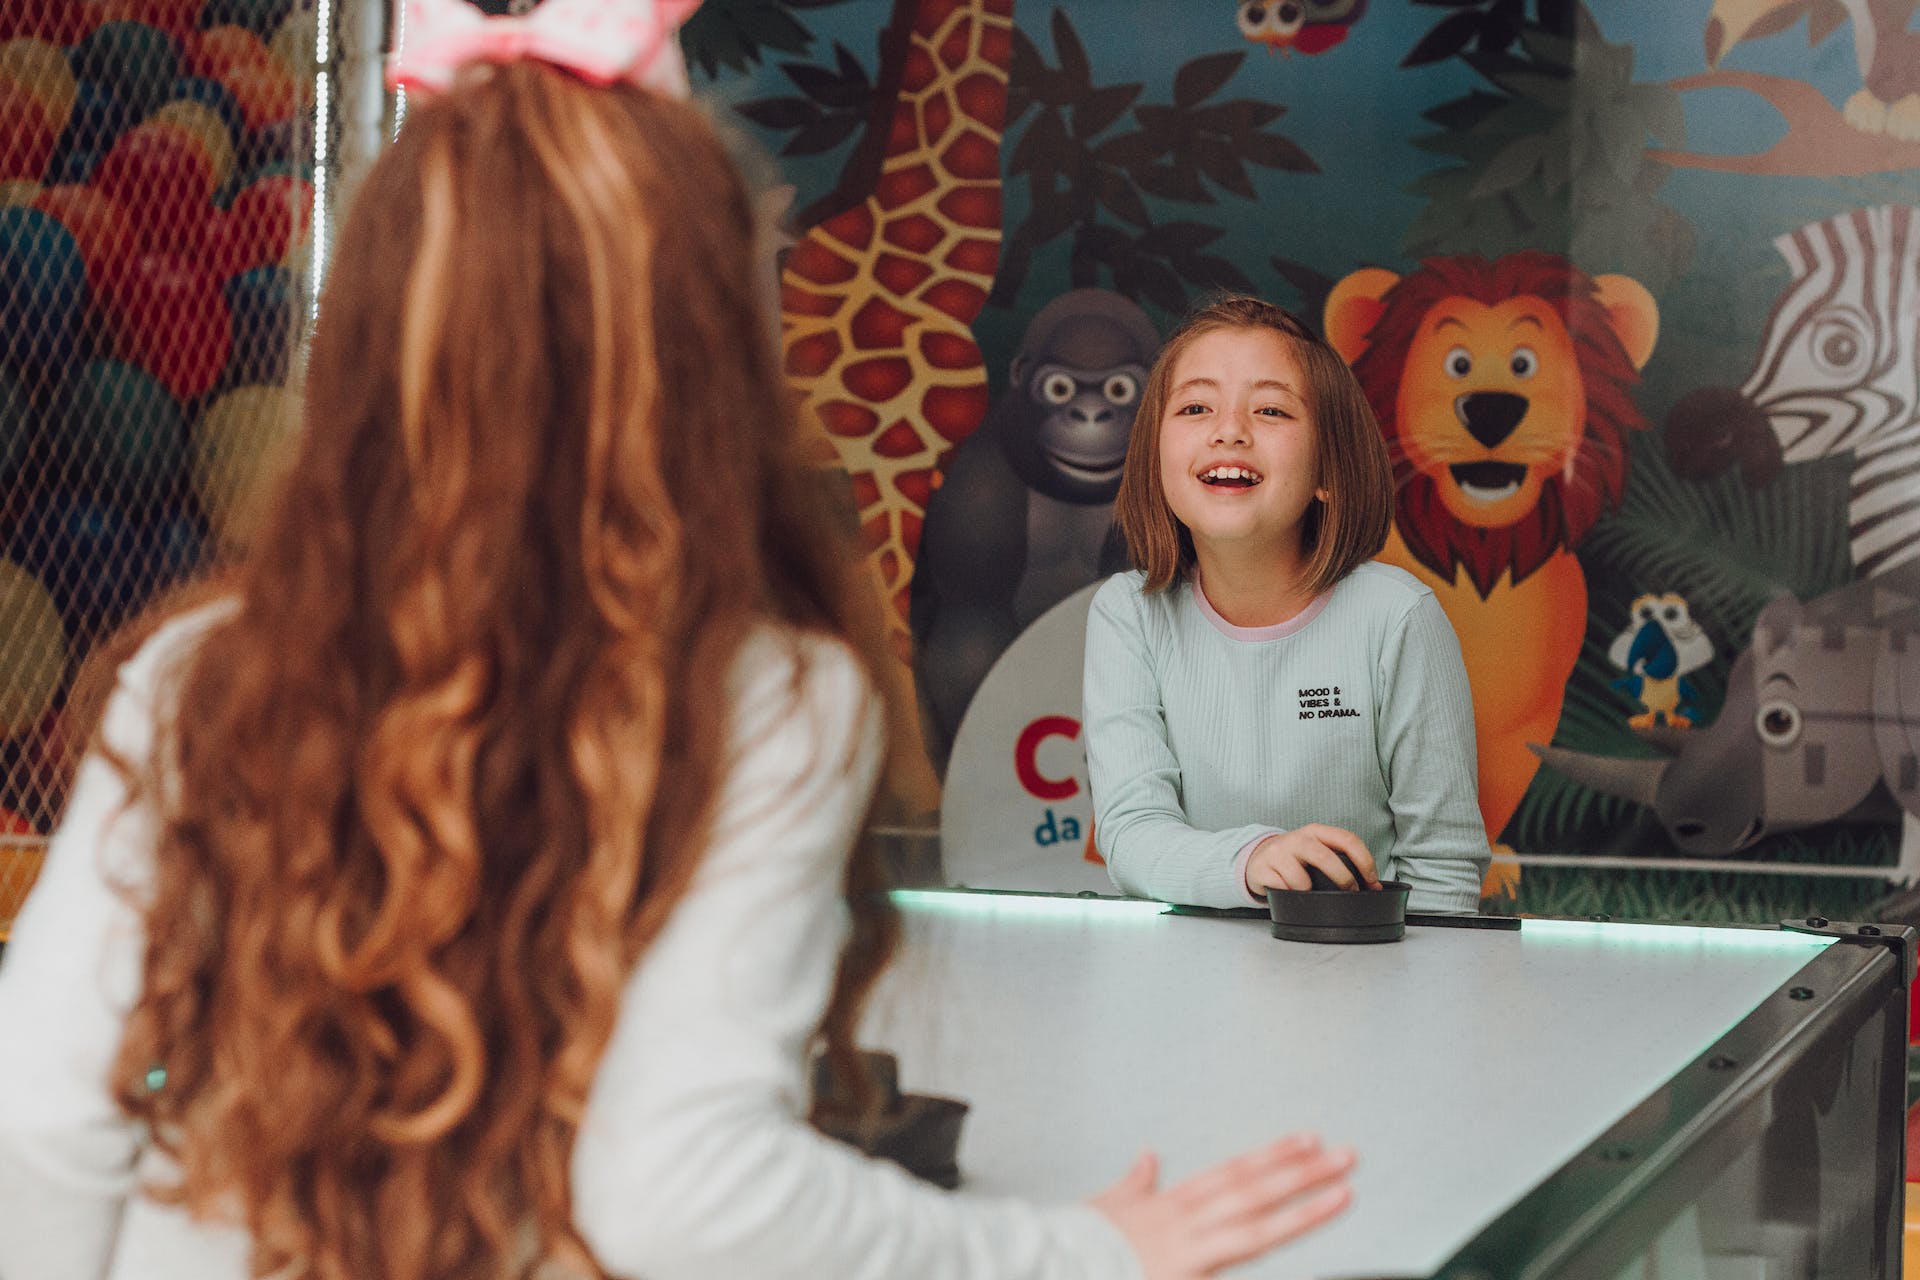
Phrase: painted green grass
[1693,896]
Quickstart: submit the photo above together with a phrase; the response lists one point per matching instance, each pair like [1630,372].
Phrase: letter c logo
[1026,765]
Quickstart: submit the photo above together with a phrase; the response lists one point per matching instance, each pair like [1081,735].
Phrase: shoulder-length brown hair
[1340,533]
[444,774]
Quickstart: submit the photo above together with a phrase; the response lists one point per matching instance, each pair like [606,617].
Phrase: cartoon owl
[1306,26]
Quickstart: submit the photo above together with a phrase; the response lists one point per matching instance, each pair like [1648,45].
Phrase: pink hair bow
[602,41]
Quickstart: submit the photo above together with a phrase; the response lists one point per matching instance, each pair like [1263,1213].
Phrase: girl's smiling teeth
[1231,477]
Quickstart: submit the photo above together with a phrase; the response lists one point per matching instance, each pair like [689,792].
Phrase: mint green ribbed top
[1202,737]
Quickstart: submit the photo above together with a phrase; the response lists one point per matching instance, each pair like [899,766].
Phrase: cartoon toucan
[1661,644]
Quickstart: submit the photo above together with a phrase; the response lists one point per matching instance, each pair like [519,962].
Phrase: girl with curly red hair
[461,894]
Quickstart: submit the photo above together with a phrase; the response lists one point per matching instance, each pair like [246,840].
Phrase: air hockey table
[1530,1098]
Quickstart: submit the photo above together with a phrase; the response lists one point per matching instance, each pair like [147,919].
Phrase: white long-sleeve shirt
[692,1159]
[1203,738]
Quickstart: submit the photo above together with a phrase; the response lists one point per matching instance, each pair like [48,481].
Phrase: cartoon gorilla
[1024,515]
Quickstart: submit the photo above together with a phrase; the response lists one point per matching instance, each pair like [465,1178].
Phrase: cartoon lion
[1503,390]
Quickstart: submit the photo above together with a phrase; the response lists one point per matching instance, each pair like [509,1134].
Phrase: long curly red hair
[445,771]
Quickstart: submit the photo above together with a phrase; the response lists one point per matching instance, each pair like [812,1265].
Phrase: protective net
[156,196]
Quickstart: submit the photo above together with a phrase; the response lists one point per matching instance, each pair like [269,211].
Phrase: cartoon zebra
[1838,373]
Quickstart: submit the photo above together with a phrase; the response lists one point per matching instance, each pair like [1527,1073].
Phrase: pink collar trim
[1278,631]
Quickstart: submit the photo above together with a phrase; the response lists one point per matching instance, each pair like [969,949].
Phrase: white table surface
[1464,1065]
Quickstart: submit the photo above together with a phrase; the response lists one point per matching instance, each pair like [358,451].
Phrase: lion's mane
[1568,506]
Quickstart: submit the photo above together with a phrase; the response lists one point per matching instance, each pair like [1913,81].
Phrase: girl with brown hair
[462,893]
[1262,701]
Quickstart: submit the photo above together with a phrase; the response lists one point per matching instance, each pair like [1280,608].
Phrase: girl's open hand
[1232,1212]
[1281,862]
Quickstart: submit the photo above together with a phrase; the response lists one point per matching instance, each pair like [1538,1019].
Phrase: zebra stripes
[1839,370]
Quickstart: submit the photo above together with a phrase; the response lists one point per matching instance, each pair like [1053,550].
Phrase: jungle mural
[1699,475]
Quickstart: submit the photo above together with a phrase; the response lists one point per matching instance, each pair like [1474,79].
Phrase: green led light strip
[959,902]
[1673,935]
[1041,906]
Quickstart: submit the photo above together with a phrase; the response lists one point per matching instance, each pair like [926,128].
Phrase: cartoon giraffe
[878,299]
